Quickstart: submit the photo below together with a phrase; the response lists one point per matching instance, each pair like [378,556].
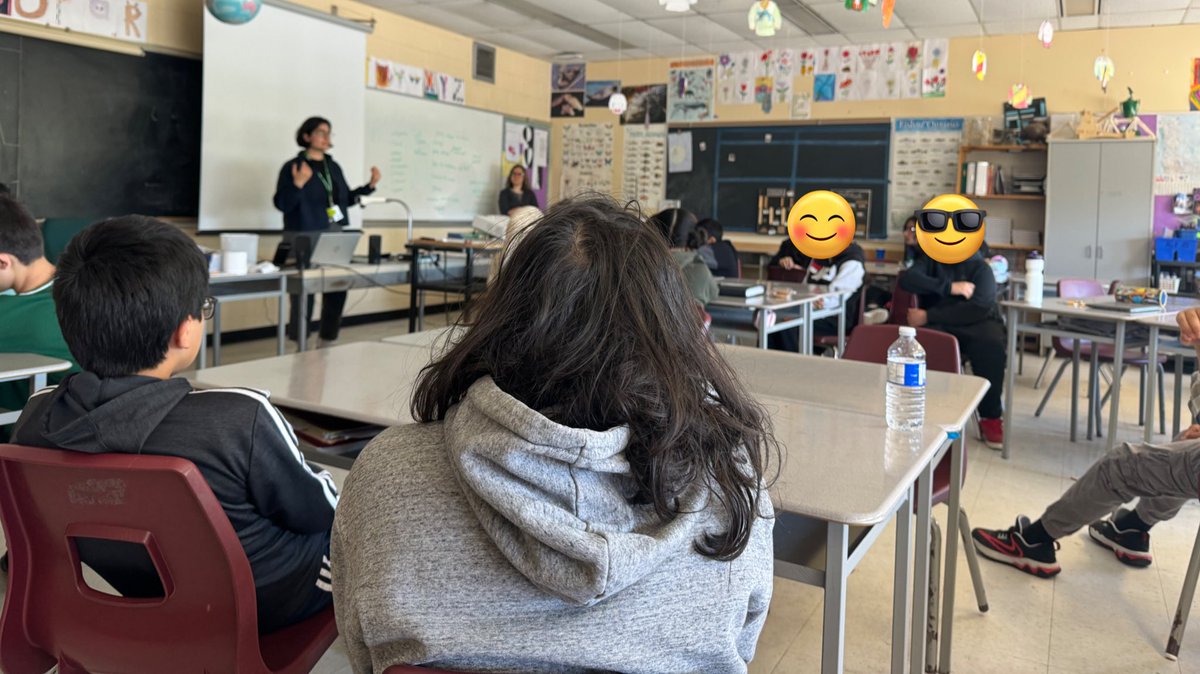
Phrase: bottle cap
[908,331]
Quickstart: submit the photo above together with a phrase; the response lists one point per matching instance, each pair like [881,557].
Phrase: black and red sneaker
[1008,546]
[1132,547]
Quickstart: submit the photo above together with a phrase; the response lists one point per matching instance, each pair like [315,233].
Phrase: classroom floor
[1096,617]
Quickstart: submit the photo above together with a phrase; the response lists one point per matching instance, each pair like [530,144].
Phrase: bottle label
[906,374]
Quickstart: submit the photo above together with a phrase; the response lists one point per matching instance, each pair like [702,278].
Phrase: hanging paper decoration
[765,18]
[856,5]
[1104,70]
[618,104]
[1019,96]
[889,7]
[1046,33]
[979,65]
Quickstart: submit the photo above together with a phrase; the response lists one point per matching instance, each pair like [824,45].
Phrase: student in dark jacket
[718,254]
[517,192]
[128,400]
[961,299]
[313,194]
[845,272]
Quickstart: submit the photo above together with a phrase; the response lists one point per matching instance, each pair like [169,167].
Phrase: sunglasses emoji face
[821,224]
[950,228]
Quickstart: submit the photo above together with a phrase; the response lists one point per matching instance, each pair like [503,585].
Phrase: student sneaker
[992,431]
[1008,546]
[1131,547]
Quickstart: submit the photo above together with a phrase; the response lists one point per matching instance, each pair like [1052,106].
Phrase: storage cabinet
[1099,209]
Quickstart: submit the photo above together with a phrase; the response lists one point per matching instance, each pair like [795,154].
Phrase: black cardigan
[509,199]
[304,208]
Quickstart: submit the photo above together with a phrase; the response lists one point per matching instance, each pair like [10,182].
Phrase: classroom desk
[804,297]
[1016,310]
[18,366]
[467,286]
[843,478]
[241,287]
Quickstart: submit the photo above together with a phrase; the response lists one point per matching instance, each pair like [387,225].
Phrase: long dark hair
[679,227]
[590,322]
[524,170]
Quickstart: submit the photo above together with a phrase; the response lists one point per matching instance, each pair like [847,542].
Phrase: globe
[234,11]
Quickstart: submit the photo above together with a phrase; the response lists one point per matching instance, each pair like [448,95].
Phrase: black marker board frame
[91,133]
[799,157]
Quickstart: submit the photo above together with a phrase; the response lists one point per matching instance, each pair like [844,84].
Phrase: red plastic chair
[830,341]
[902,301]
[206,622]
[869,344]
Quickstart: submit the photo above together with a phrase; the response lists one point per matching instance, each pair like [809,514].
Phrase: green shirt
[28,324]
[699,279]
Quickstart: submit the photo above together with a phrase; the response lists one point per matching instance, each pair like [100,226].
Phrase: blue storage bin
[1185,250]
[1165,250]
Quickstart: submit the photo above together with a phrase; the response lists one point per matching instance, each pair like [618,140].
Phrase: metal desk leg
[901,599]
[39,383]
[1093,421]
[281,328]
[1178,395]
[302,317]
[1115,403]
[217,334]
[1074,389]
[842,330]
[1009,379]
[920,608]
[946,631]
[1185,602]
[414,267]
[806,334]
[833,636]
[1151,384]
[763,335]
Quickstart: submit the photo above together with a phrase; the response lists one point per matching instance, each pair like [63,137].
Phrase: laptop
[335,248]
[1127,307]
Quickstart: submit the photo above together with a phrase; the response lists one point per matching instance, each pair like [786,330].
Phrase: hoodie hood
[114,414]
[555,499]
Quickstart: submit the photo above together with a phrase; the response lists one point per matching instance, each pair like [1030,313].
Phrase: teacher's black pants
[332,305]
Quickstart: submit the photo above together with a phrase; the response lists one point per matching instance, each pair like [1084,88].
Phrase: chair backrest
[1070,289]
[58,232]
[50,499]
[796,275]
[902,301]
[869,344]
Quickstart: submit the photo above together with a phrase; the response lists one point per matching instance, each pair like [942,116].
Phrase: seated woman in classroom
[570,498]
[680,228]
[516,192]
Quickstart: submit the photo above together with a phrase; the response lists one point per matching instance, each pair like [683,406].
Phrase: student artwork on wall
[1177,154]
[824,87]
[886,70]
[1194,92]
[933,78]
[764,92]
[802,105]
[923,163]
[568,87]
[645,179]
[597,92]
[413,81]
[119,19]
[735,77]
[690,90]
[587,159]
[647,104]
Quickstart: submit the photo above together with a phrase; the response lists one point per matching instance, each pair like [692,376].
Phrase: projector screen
[261,80]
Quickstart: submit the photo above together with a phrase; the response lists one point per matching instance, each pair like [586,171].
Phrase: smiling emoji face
[950,228]
[821,224]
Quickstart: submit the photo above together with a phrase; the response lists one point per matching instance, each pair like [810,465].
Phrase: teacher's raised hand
[301,174]
[375,176]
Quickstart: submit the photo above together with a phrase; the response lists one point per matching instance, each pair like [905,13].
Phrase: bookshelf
[1024,213]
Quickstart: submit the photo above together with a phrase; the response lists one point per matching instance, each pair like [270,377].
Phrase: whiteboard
[442,160]
[259,86]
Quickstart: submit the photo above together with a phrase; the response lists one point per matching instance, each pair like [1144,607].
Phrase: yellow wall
[1156,62]
[521,90]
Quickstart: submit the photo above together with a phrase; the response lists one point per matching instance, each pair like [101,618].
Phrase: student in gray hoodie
[584,488]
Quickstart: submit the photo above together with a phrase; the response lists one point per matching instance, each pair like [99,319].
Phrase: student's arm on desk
[282,486]
[966,311]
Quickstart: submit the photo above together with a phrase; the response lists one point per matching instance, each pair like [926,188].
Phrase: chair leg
[1114,381]
[1175,639]
[1037,383]
[1142,396]
[1162,400]
[964,530]
[1050,391]
[935,595]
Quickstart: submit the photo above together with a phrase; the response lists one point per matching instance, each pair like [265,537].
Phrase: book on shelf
[981,178]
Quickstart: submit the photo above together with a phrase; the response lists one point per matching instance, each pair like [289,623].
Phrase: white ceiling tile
[936,12]
[694,28]
[1011,27]
[1139,6]
[559,40]
[719,6]
[642,9]
[1163,18]
[848,21]
[1192,16]
[734,47]
[832,40]
[956,30]
[992,10]
[893,34]
[616,55]
[1079,23]
[582,11]
[520,44]
[638,34]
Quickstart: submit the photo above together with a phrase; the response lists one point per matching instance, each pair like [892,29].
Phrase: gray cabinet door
[1126,211]
[1072,203]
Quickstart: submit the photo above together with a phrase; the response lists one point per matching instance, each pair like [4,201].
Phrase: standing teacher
[517,193]
[312,206]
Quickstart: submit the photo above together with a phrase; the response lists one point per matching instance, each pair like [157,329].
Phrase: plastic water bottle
[906,382]
[1035,280]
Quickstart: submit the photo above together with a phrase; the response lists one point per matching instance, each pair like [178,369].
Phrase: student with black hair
[719,254]
[313,194]
[678,227]
[844,272]
[27,320]
[131,299]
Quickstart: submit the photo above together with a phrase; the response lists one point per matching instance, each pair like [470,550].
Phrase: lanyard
[327,181]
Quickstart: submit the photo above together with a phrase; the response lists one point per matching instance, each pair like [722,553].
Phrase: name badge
[335,213]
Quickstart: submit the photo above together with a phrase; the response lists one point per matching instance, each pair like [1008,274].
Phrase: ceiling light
[567,57]
[1078,7]
[677,5]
